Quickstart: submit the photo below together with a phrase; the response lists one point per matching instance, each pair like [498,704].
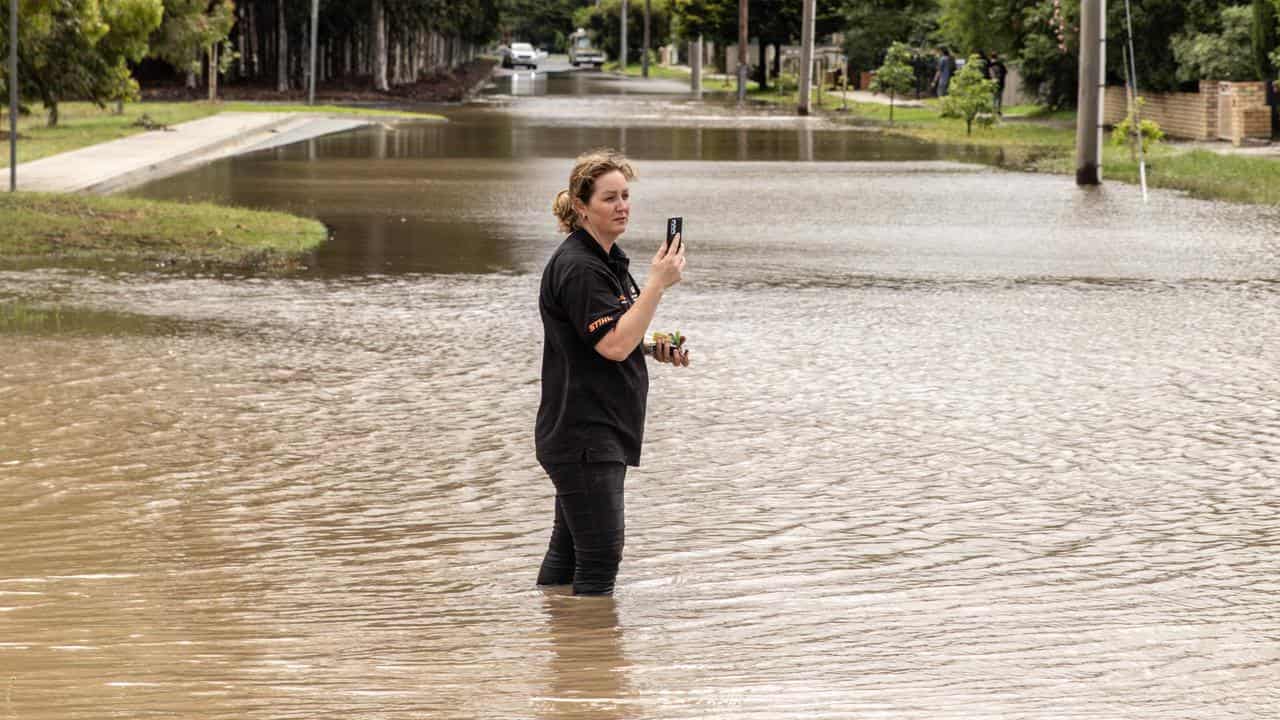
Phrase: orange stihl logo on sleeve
[596,324]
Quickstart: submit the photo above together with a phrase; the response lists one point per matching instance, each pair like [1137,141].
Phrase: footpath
[128,162]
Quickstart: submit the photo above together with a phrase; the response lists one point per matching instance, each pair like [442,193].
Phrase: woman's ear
[579,207]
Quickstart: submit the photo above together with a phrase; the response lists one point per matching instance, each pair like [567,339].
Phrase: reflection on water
[588,671]
[469,195]
[956,444]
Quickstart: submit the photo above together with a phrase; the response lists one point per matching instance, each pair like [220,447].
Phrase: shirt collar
[615,256]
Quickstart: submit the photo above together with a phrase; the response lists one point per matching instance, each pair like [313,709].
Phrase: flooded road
[957,443]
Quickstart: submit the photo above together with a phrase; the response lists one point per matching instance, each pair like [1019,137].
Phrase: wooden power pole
[644,57]
[13,95]
[315,34]
[806,54]
[622,59]
[695,65]
[1093,79]
[742,51]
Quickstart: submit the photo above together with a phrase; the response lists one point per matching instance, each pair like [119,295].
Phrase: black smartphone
[675,226]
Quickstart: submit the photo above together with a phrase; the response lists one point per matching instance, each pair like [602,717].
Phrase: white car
[520,54]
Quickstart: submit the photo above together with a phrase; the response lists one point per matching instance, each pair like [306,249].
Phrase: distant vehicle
[519,54]
[582,51]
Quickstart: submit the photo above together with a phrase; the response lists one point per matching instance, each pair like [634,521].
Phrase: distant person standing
[999,73]
[946,68]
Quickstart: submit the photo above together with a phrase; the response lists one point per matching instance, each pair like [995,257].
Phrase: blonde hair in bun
[582,183]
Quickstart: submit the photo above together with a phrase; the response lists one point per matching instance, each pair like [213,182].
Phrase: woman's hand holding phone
[668,263]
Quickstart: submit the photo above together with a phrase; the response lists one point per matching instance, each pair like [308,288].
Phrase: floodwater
[956,443]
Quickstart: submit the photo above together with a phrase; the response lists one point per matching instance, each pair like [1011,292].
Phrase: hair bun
[562,208]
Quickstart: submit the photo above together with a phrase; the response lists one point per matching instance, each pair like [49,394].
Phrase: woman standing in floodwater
[594,380]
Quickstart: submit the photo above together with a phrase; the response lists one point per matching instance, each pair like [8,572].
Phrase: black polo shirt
[592,408]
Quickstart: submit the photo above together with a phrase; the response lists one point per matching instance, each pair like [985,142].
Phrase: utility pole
[742,51]
[806,54]
[315,33]
[622,60]
[13,95]
[1093,78]
[695,65]
[644,58]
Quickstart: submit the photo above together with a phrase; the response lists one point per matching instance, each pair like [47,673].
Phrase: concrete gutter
[128,162]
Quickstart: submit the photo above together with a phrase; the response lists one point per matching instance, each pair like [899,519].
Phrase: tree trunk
[397,62]
[53,114]
[252,29]
[644,56]
[762,74]
[213,72]
[240,40]
[282,50]
[379,48]
[777,60]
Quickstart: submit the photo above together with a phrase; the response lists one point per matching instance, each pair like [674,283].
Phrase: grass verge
[655,71]
[83,124]
[1039,140]
[43,229]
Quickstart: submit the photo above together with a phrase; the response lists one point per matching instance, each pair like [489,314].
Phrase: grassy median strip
[44,228]
[83,124]
[661,72]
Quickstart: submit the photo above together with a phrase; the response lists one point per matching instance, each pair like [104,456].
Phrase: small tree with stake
[971,96]
[896,76]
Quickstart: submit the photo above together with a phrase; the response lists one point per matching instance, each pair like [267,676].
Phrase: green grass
[83,124]
[710,83]
[326,110]
[77,229]
[1037,139]
[1200,173]
[655,71]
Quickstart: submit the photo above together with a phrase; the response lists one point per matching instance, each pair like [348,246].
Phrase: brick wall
[1193,116]
[1240,108]
[1246,104]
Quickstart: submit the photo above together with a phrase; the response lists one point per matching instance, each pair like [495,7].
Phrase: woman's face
[610,205]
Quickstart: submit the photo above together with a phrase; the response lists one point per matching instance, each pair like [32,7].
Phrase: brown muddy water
[956,443]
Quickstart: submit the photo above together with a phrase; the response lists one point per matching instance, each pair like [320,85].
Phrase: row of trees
[88,49]
[1176,41]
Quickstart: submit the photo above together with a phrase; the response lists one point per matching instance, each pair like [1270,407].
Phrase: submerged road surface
[956,443]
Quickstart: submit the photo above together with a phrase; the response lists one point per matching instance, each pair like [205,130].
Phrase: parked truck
[584,52]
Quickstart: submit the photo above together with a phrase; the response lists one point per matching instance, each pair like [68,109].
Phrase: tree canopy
[81,48]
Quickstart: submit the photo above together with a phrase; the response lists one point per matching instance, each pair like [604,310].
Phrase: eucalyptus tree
[192,30]
[383,42]
[603,21]
[81,49]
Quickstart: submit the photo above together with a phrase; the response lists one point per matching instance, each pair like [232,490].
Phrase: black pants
[586,541]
